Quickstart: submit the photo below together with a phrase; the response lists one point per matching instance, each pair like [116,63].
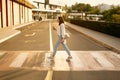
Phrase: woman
[61,38]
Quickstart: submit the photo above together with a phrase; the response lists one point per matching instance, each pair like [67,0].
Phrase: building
[83,16]
[94,17]
[47,9]
[15,12]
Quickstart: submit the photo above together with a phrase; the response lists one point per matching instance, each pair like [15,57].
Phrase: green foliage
[81,7]
[116,18]
[95,10]
[65,8]
[104,27]
[112,15]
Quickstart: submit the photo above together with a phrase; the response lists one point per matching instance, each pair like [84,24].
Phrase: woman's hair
[60,20]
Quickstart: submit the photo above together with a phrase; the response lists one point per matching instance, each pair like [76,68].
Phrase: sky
[93,2]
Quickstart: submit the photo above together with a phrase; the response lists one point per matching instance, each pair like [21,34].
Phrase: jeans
[63,44]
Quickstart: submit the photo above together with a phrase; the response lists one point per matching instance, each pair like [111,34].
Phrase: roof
[25,2]
[43,10]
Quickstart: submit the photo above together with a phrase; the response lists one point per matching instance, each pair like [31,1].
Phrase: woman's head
[60,19]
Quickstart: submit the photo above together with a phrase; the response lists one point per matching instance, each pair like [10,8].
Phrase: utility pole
[46,2]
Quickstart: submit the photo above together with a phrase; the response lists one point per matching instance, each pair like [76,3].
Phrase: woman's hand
[54,28]
[63,39]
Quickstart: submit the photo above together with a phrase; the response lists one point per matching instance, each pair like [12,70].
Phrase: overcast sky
[93,2]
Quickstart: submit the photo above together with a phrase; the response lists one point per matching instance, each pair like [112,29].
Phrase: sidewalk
[108,41]
[9,32]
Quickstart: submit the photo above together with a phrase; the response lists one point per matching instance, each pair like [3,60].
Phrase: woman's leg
[56,45]
[66,48]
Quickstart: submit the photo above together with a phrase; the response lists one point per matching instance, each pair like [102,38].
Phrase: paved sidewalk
[108,41]
[9,32]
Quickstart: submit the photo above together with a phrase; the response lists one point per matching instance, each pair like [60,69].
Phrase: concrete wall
[0,13]
[10,20]
[4,12]
[14,13]
[0,19]
[30,13]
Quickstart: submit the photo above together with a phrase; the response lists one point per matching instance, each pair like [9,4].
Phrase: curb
[96,40]
[12,34]
[22,25]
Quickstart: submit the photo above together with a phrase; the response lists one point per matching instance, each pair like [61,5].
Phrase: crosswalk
[81,61]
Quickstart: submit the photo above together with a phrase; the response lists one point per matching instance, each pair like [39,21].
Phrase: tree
[112,14]
[81,7]
[95,10]
[116,18]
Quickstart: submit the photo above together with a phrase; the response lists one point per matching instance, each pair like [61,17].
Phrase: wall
[30,13]
[12,13]
[0,12]
[4,12]
[10,17]
[16,13]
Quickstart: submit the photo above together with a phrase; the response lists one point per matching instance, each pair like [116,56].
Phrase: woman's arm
[62,30]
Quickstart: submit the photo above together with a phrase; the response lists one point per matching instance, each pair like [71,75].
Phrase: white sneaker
[51,57]
[69,57]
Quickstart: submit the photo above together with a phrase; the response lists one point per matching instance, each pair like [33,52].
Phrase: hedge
[104,27]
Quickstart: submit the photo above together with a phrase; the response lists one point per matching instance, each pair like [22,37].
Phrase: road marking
[12,34]
[19,60]
[2,53]
[51,43]
[60,63]
[49,75]
[115,54]
[76,61]
[103,61]
[27,35]
[50,72]
[30,41]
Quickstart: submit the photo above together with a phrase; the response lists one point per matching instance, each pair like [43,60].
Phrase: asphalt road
[34,65]
[37,37]
[77,41]
[22,74]
[32,37]
[86,75]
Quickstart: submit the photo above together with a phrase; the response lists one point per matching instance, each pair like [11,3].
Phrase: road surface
[25,56]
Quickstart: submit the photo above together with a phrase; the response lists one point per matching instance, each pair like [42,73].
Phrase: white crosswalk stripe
[103,61]
[115,54]
[19,60]
[77,62]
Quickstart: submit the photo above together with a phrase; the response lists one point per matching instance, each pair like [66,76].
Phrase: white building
[94,17]
[15,12]
[83,16]
[50,10]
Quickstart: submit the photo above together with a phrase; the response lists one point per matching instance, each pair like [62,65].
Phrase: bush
[104,27]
